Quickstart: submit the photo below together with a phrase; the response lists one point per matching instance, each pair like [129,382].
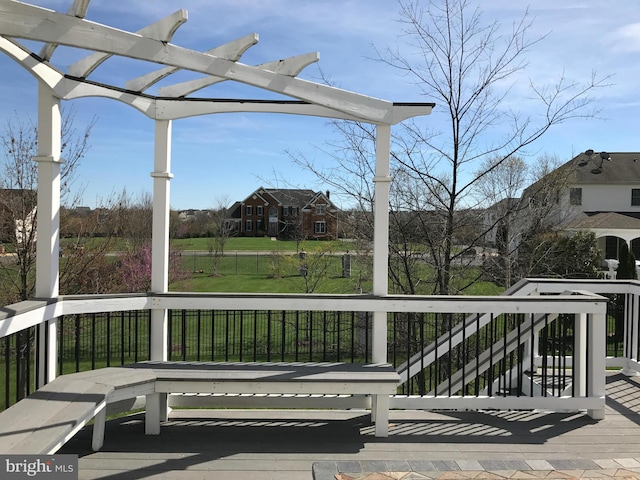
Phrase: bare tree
[134,219]
[463,64]
[499,191]
[18,212]
[18,195]
[467,66]
[220,230]
[313,266]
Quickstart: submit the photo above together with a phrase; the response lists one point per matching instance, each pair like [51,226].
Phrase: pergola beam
[172,109]
[34,23]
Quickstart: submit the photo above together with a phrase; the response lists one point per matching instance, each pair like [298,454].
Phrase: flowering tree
[134,269]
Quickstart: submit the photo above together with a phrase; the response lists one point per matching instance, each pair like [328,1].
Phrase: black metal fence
[264,336]
[253,263]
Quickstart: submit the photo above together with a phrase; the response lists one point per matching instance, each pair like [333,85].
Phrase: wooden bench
[44,421]
[52,415]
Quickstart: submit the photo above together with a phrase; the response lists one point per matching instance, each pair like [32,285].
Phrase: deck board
[259,444]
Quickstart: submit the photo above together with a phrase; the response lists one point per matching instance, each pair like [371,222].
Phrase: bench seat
[45,420]
[48,418]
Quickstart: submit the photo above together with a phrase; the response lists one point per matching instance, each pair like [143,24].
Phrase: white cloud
[625,39]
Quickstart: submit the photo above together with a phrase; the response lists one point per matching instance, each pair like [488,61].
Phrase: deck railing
[452,352]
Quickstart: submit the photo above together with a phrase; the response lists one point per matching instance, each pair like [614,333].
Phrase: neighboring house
[285,213]
[496,220]
[598,193]
[187,215]
[17,216]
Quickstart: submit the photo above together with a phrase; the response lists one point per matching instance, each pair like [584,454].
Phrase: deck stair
[455,336]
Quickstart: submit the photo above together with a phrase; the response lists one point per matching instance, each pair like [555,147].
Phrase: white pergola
[21,21]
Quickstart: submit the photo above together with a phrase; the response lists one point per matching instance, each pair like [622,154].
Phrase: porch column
[48,223]
[160,236]
[381,239]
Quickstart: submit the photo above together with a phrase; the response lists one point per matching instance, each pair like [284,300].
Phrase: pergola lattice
[151,44]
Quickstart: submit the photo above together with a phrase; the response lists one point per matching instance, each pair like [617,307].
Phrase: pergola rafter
[78,9]
[290,67]
[162,31]
[230,51]
[151,44]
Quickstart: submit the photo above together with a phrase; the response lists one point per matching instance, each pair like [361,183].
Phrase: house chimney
[328,194]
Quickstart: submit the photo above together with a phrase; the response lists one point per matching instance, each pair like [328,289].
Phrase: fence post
[596,361]
[580,355]
[632,313]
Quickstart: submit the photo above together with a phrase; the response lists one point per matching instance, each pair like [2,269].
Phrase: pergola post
[382,182]
[160,236]
[48,223]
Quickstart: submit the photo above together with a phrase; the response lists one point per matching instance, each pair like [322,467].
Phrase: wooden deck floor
[250,444]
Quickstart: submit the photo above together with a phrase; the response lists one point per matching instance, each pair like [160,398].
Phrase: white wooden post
[580,355]
[160,236]
[631,334]
[158,407]
[48,222]
[381,239]
[596,361]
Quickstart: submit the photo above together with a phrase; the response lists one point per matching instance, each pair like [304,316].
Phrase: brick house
[285,214]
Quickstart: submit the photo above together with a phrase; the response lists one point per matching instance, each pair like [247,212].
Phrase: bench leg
[98,429]
[380,414]
[156,412]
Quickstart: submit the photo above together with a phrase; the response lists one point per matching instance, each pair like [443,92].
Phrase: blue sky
[228,156]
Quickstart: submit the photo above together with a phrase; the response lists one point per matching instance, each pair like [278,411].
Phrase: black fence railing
[264,336]
[91,341]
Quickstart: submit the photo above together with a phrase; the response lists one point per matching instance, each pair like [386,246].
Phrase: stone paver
[623,468]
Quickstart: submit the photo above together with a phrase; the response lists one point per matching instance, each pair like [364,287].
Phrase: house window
[635,197]
[321,209]
[259,210]
[248,226]
[248,210]
[575,196]
[611,247]
[320,227]
[285,211]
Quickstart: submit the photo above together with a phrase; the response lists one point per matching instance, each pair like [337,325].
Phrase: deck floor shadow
[284,444]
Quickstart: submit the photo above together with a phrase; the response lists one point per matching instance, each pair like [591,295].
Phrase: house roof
[291,196]
[623,168]
[619,168]
[606,220]
[294,197]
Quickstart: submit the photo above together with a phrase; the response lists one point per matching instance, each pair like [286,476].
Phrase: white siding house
[593,187]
